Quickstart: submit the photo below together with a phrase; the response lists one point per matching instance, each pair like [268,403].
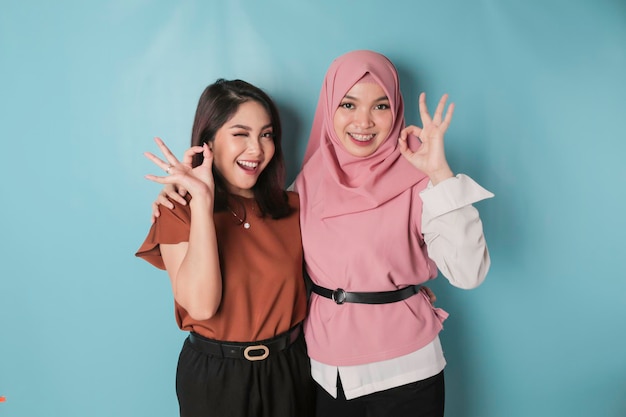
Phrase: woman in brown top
[234,258]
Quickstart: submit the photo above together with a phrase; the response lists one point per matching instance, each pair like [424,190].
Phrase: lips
[361,139]
[248,165]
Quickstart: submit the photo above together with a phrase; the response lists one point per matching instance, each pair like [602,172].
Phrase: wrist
[202,201]
[440,175]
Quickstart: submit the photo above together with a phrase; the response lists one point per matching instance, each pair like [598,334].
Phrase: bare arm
[193,267]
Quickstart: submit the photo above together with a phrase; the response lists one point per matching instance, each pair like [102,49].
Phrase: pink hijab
[331,177]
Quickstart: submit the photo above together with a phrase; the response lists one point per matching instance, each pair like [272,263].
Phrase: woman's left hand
[429,293]
[430,157]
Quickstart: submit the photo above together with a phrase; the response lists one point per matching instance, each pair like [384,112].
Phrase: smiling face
[243,147]
[363,119]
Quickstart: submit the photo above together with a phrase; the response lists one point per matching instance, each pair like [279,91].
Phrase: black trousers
[423,398]
[279,386]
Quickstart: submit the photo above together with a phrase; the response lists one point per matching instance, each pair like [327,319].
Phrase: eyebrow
[382,98]
[244,127]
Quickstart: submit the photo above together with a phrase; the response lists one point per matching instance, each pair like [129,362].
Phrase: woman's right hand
[182,177]
[172,192]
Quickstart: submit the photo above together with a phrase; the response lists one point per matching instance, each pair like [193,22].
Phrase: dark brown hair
[217,104]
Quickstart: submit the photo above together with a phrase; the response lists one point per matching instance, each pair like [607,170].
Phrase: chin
[362,152]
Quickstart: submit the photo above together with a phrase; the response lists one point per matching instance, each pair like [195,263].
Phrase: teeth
[248,164]
[361,138]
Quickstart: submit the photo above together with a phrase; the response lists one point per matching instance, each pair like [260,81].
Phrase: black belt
[252,351]
[341,296]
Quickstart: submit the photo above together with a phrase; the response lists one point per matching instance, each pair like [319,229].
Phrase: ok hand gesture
[197,181]
[430,157]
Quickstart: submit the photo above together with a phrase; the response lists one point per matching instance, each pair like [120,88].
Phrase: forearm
[198,282]
[453,231]
[456,243]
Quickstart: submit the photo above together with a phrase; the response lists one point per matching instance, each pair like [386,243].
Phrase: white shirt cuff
[452,194]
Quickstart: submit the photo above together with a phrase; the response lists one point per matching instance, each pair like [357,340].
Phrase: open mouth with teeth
[248,165]
[361,139]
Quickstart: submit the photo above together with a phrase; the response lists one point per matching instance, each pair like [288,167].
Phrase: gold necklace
[246,225]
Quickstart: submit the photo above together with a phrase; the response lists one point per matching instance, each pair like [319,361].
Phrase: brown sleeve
[171,227]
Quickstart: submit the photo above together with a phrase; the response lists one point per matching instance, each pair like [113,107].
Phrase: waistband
[252,351]
[341,296]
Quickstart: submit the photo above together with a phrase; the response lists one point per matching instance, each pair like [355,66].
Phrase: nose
[363,118]
[254,146]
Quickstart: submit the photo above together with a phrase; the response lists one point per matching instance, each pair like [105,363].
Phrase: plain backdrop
[87,329]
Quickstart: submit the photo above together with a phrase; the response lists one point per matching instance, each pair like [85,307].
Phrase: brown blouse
[263,287]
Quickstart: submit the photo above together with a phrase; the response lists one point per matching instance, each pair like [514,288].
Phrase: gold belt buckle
[265,349]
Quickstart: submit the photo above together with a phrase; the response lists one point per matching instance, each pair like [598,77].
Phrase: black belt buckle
[339,296]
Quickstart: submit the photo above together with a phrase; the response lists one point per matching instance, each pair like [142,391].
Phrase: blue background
[87,329]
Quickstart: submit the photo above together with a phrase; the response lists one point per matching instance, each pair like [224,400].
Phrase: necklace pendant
[241,222]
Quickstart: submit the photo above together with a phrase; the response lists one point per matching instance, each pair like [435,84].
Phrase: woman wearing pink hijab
[381,212]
